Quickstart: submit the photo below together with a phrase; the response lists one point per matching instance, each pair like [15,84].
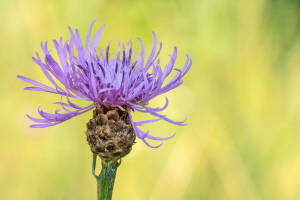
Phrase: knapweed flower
[116,84]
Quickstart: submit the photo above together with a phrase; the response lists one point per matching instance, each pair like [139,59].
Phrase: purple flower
[90,73]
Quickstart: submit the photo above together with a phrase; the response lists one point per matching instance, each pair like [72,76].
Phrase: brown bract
[110,133]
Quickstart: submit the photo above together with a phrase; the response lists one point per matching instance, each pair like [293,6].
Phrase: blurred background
[241,99]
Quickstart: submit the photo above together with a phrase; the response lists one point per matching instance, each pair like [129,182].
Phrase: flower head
[87,72]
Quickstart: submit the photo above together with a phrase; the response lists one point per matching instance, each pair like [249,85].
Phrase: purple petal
[141,123]
[151,145]
[50,119]
[33,82]
[159,138]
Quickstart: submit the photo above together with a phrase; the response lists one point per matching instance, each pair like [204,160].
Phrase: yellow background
[241,99]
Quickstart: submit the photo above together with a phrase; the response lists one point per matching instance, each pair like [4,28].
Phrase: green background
[241,99]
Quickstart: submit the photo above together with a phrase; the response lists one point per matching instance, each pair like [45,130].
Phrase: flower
[89,73]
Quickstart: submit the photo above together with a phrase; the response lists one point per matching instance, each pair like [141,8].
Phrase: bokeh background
[241,99]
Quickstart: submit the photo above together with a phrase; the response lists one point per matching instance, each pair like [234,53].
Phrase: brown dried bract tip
[110,133]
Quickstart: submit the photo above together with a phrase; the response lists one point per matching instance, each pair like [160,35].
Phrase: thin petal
[159,138]
[50,119]
[151,145]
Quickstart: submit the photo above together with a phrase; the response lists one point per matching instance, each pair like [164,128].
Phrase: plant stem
[106,179]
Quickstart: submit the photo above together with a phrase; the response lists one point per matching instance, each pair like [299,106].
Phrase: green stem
[106,179]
